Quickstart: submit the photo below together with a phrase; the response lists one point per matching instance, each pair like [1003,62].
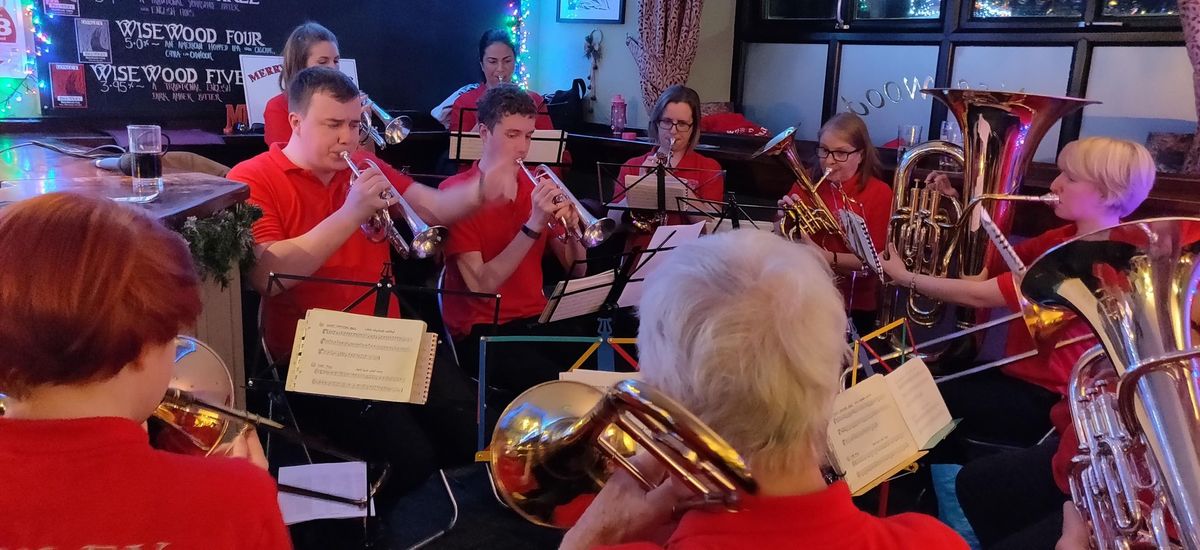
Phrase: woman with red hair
[92,295]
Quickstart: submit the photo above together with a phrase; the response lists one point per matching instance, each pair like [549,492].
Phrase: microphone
[122,164]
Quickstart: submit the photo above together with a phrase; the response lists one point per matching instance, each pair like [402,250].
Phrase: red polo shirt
[276,128]
[874,204]
[293,202]
[97,483]
[488,231]
[470,100]
[699,171]
[827,519]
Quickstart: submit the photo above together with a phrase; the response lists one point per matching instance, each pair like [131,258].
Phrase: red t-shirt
[699,171]
[488,231]
[293,202]
[875,206]
[276,128]
[470,100]
[1051,367]
[827,519]
[97,483]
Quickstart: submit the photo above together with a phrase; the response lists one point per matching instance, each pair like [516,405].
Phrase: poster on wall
[61,7]
[12,39]
[261,81]
[591,11]
[68,89]
[92,41]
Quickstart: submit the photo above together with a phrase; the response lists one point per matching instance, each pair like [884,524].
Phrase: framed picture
[591,11]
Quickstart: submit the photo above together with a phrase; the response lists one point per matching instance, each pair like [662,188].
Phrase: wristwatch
[535,235]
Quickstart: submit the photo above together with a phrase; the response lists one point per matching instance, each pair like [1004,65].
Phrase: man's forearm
[493,273]
[301,255]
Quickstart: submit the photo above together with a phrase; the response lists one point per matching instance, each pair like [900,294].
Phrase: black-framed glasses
[838,156]
[666,124]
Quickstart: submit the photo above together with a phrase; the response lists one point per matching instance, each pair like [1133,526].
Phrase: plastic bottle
[617,116]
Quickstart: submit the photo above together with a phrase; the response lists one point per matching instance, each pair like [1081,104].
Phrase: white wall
[557,51]
[797,68]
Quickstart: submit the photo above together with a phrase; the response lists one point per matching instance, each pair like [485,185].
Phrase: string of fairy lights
[516,22]
[15,91]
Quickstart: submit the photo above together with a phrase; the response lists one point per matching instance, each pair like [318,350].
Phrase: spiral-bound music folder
[342,354]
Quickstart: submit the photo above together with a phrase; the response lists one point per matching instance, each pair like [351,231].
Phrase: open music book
[884,423]
[363,357]
[576,297]
[665,237]
[599,379]
[546,147]
[641,192]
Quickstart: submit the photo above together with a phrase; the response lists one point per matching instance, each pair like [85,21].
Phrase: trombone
[395,129]
[590,231]
[427,240]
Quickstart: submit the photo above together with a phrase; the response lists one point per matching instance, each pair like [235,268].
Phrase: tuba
[560,441]
[590,231]
[1134,399]
[814,216]
[395,129]
[1001,132]
[427,240]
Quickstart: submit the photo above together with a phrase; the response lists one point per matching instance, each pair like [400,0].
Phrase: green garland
[221,241]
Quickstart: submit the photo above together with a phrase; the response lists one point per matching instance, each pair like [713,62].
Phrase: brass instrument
[562,440]
[647,221]
[815,216]
[395,129]
[1001,132]
[1134,399]
[590,231]
[426,241]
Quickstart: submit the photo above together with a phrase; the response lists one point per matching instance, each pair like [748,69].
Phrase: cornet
[590,231]
[395,129]
[426,241]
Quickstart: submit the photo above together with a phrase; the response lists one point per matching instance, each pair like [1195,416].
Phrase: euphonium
[427,240]
[395,129]
[562,440]
[1001,132]
[590,231]
[1137,415]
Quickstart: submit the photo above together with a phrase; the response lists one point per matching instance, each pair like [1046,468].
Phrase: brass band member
[719,320]
[846,150]
[93,294]
[1012,499]
[497,61]
[309,45]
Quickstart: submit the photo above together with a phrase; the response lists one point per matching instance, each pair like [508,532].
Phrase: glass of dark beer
[145,151]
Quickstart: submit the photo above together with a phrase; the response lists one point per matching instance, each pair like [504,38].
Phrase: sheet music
[545,147]
[343,479]
[599,379]
[579,296]
[919,400]
[867,434]
[860,240]
[641,192]
[647,263]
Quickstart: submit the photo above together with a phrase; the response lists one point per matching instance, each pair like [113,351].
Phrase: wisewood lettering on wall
[908,89]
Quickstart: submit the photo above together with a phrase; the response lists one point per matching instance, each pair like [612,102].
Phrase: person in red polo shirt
[719,320]
[846,150]
[499,249]
[310,227]
[309,45]
[87,347]
[497,61]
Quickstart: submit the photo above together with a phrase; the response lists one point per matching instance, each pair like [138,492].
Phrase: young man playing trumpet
[499,248]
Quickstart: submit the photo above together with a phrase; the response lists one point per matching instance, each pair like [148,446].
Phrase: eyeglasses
[666,124]
[838,156]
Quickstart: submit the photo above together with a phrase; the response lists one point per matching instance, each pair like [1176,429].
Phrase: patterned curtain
[668,35]
[1189,12]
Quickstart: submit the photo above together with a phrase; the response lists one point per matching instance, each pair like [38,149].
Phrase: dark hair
[315,80]
[504,100]
[295,50]
[494,36]
[851,128]
[676,94]
[131,283]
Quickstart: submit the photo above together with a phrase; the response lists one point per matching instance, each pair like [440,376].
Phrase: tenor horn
[1137,415]
[427,240]
[1001,133]
[395,129]
[590,231]
[561,440]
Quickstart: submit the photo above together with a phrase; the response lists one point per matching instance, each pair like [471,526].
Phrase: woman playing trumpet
[851,183]
[93,294]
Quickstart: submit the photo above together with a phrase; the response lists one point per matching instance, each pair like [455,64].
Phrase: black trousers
[1011,499]
[995,408]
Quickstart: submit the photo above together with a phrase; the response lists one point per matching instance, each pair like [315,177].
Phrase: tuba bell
[1134,399]
[427,240]
[560,441]
[1001,132]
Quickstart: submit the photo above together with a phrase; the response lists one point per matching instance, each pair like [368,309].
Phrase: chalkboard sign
[170,59]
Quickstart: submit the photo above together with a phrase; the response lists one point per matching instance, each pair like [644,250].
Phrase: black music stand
[467,135]
[656,175]
[729,210]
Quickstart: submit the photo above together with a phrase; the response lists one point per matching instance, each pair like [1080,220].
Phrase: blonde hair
[1122,171]
[747,331]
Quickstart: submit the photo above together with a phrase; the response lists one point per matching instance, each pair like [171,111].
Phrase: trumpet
[562,440]
[427,240]
[395,129]
[590,231]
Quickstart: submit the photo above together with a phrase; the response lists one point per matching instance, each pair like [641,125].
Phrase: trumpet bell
[597,232]
[427,243]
